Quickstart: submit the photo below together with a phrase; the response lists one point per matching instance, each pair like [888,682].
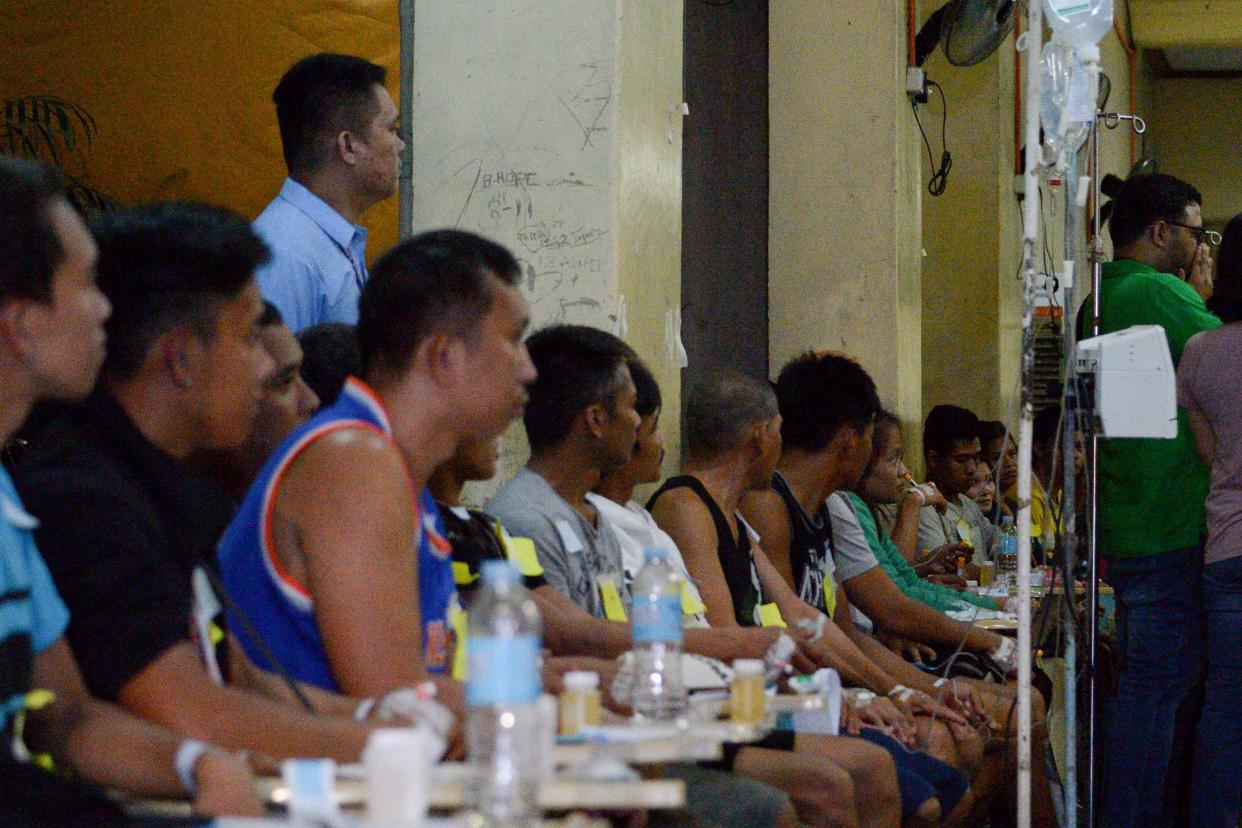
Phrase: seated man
[329,356]
[635,528]
[951,452]
[828,405]
[478,537]
[581,421]
[885,482]
[338,553]
[1047,517]
[285,403]
[126,527]
[51,346]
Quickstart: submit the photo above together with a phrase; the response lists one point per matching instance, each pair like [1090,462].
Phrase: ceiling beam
[1162,24]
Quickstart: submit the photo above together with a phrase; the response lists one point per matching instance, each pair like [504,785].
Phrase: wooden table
[448,791]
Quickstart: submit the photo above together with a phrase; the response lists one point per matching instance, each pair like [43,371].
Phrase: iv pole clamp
[1109,120]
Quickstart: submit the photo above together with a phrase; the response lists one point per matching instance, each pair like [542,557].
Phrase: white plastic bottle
[1007,554]
[502,696]
[659,692]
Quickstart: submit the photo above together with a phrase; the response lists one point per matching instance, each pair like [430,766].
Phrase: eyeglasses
[1212,236]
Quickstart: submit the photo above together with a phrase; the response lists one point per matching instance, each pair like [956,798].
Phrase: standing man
[1151,499]
[338,131]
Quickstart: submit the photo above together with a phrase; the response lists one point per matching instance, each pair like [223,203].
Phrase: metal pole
[1030,217]
[405,181]
[1093,566]
[1069,539]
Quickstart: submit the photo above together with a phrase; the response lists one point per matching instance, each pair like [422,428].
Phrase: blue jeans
[1159,657]
[1217,786]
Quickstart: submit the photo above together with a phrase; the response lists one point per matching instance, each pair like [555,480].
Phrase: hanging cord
[940,177]
[257,640]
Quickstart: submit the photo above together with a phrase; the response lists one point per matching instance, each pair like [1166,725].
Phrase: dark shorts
[920,777]
[776,740]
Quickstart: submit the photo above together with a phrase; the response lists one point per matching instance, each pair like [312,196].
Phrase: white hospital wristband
[188,754]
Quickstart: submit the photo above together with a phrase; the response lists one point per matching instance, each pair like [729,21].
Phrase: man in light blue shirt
[338,130]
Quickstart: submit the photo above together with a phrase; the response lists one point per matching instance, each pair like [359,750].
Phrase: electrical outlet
[916,84]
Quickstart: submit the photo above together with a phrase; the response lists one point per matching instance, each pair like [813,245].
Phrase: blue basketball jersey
[280,609]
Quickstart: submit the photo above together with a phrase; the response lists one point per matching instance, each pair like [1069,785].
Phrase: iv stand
[1109,120]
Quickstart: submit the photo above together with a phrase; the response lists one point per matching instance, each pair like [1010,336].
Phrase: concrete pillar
[554,127]
[845,193]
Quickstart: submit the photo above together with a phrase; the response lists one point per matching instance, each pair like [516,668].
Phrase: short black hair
[1146,199]
[990,430]
[330,355]
[30,250]
[819,393]
[434,282]
[648,400]
[1226,301]
[721,410]
[271,315]
[164,265]
[577,367]
[946,426]
[318,97]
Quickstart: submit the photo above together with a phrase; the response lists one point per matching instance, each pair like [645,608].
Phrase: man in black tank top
[828,404]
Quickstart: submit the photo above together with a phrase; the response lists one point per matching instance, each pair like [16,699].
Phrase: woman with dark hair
[1208,379]
[1226,300]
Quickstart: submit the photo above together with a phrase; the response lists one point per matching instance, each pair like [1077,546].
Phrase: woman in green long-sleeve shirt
[885,482]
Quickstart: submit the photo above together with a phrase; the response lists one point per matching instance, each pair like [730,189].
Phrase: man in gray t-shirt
[962,521]
[578,559]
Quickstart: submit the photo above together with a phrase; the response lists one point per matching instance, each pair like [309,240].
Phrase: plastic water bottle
[1007,554]
[659,692]
[502,696]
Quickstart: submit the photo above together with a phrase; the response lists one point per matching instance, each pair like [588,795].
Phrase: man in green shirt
[1151,500]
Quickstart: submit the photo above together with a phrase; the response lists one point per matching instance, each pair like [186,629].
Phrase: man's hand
[225,786]
[1201,276]
[912,651]
[883,715]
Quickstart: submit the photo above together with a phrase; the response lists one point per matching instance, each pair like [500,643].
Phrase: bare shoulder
[762,505]
[685,517]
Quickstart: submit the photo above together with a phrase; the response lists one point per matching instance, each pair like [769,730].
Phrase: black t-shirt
[475,537]
[123,528]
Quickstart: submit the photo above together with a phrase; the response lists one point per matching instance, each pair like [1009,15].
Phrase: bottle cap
[581,680]
[748,667]
[500,572]
[1006,520]
[655,553]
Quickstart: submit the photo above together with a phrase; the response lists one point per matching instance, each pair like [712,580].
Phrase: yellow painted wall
[844,264]
[972,234]
[182,91]
[1195,134]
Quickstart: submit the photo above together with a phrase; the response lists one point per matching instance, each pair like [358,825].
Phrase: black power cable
[940,177]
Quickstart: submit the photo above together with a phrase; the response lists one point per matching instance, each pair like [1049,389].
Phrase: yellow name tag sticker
[462,576]
[963,532]
[614,610]
[691,604]
[770,616]
[457,620]
[830,596]
[521,552]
